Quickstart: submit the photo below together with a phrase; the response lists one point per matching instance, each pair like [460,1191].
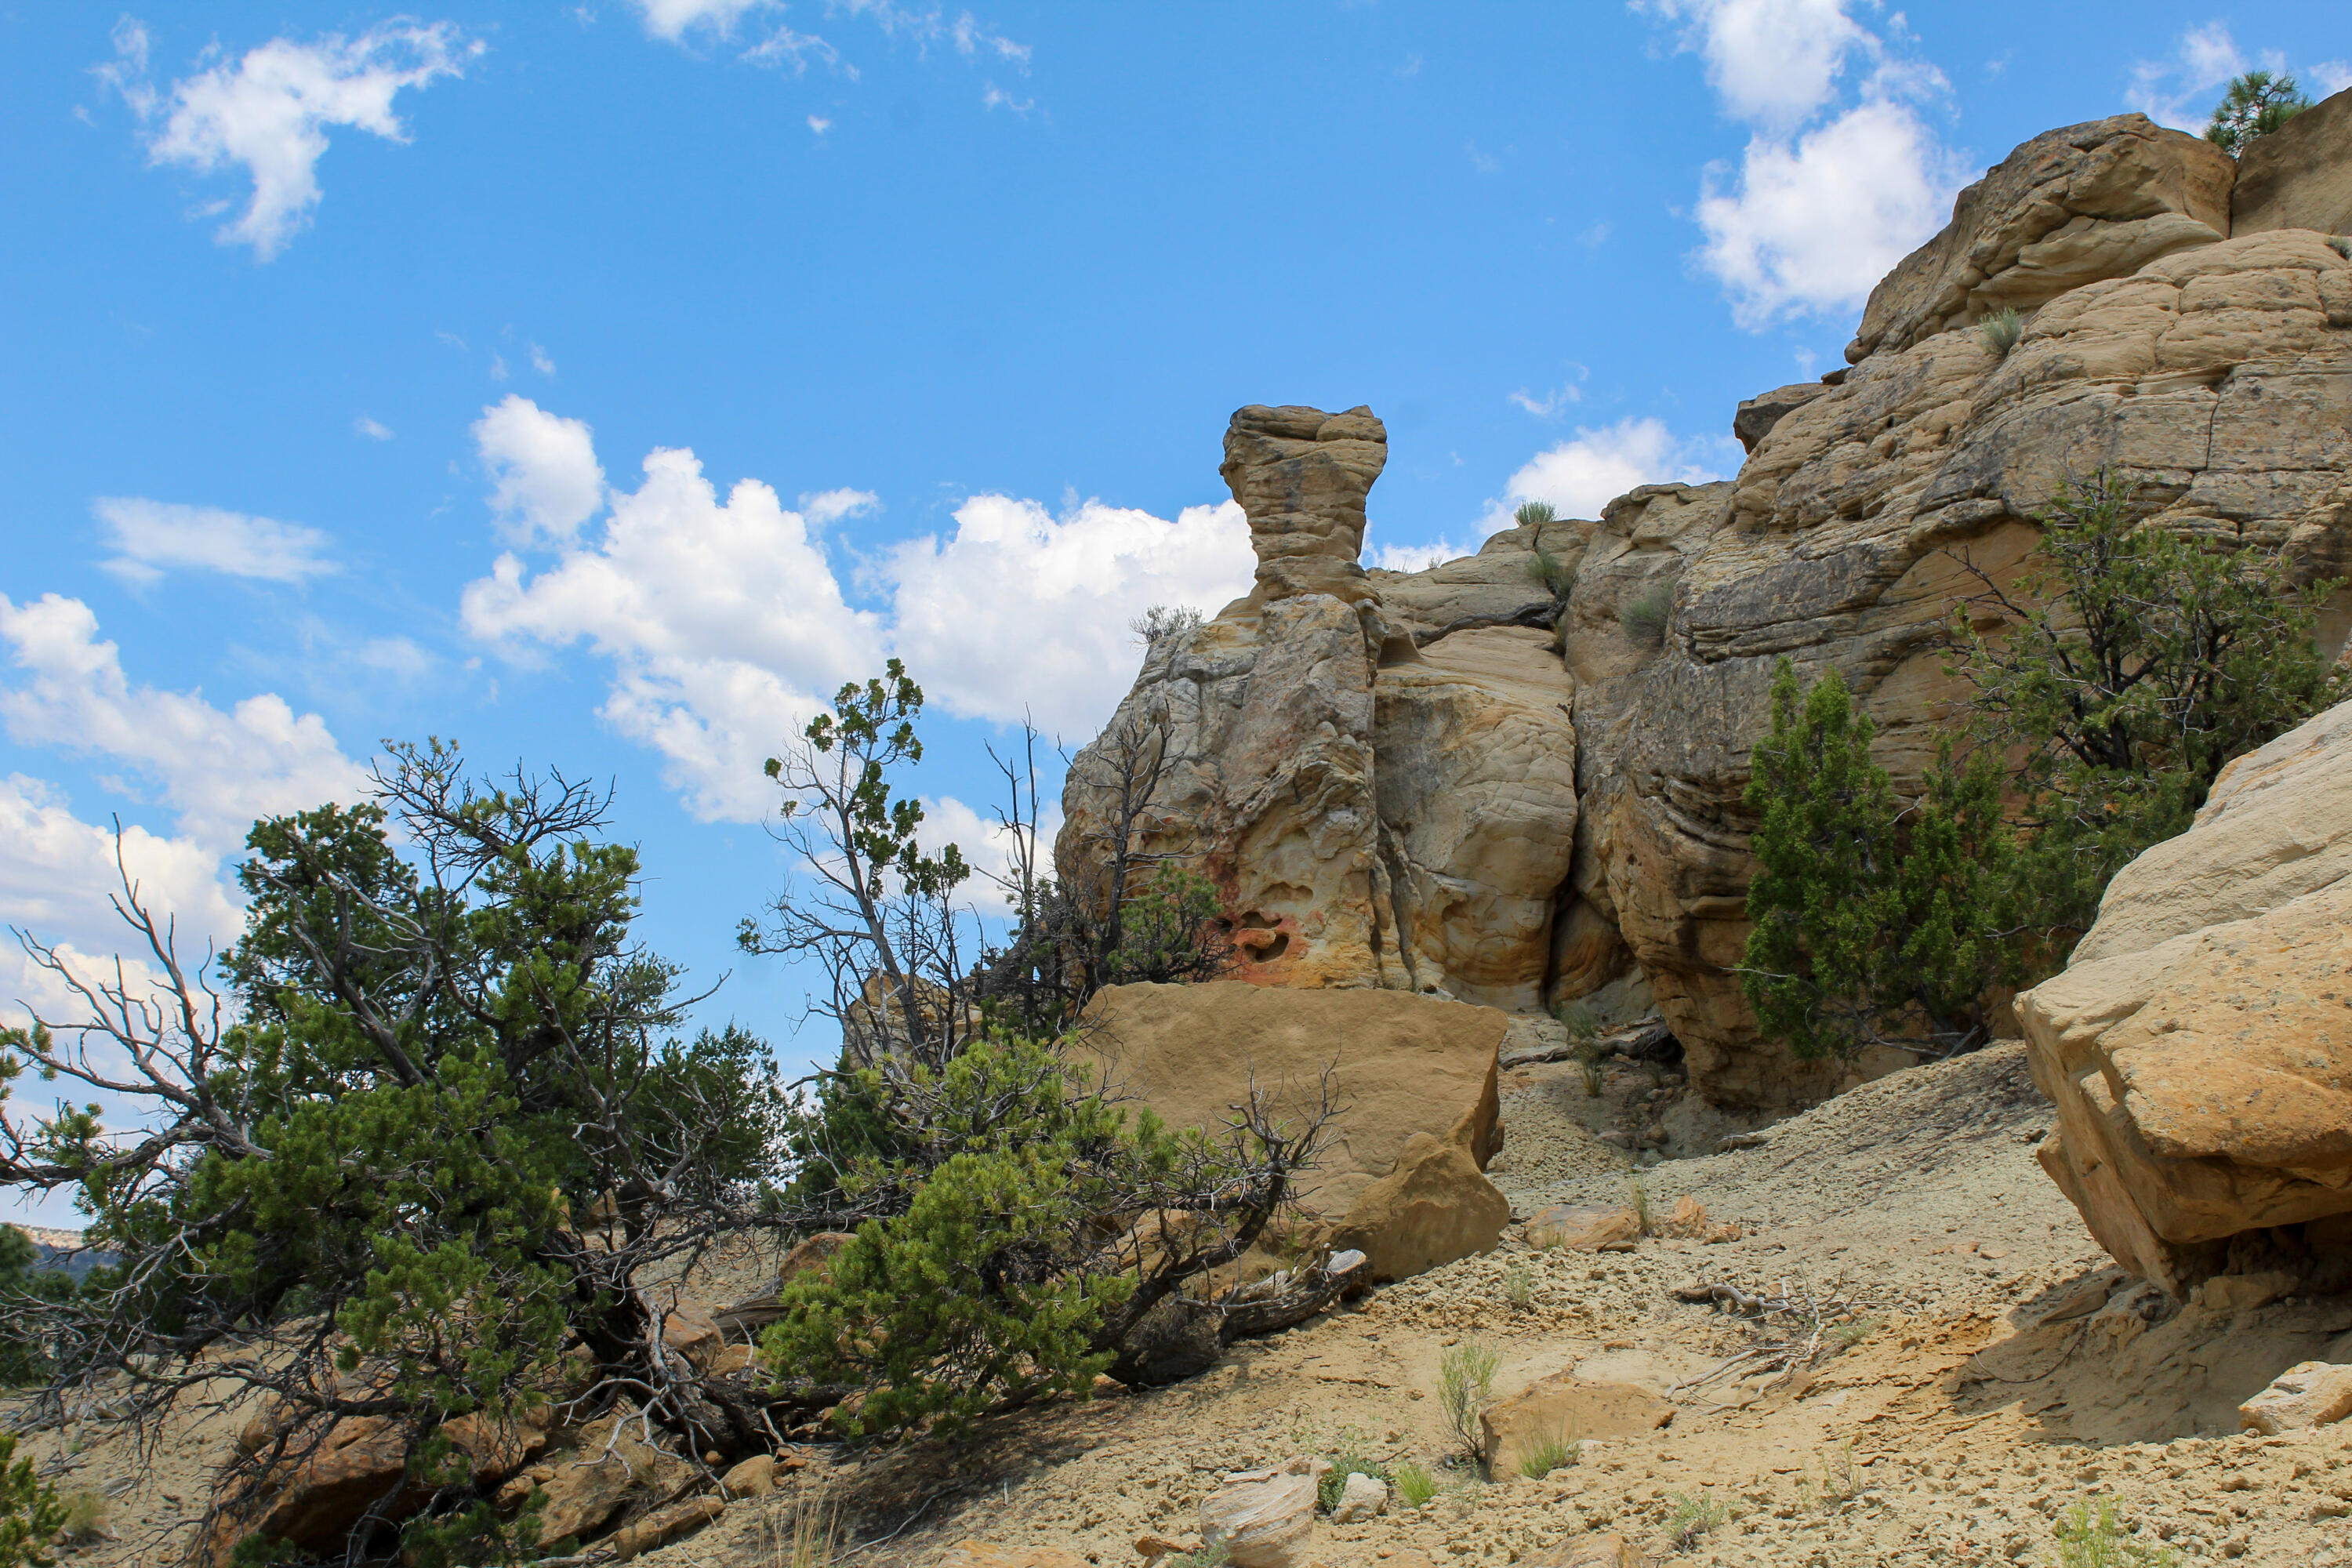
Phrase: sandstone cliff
[1457,780]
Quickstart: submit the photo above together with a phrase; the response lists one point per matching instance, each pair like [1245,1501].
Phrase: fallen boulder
[1403,1178]
[988,1554]
[1561,1410]
[2309,1393]
[1361,1498]
[1263,1518]
[2196,1046]
[1584,1227]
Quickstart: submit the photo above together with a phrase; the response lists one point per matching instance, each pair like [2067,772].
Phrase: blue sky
[600,384]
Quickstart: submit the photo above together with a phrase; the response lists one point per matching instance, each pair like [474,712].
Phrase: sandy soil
[1990,1371]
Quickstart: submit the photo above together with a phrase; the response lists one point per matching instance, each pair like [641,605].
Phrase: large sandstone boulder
[2198,1045]
[2300,176]
[1402,1065]
[1563,1410]
[1301,475]
[2071,206]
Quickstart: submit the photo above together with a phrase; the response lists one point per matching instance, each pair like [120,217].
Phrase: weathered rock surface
[613,1469]
[2309,1393]
[1566,1409]
[1404,1065]
[1400,785]
[1264,1517]
[1402,1178]
[1302,476]
[988,1554]
[2070,207]
[1584,1227]
[1361,1499]
[2198,1045]
[2300,176]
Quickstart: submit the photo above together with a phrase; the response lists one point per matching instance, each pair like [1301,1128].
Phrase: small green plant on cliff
[2000,331]
[30,1513]
[2253,105]
[1466,1386]
[1163,622]
[1645,616]
[1552,1450]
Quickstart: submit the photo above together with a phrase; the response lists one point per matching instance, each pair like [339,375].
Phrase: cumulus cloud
[984,842]
[152,537]
[1810,228]
[1022,611]
[1415,557]
[543,471]
[2182,88]
[374,430]
[727,625]
[1829,193]
[671,20]
[57,872]
[723,619]
[269,111]
[771,42]
[1581,475]
[2331,77]
[217,770]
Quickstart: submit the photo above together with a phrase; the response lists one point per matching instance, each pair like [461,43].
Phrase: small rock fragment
[1361,1498]
[755,1477]
[2308,1394]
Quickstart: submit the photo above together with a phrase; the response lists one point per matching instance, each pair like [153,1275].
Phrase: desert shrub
[2000,331]
[1534,514]
[1520,1287]
[451,1131]
[2090,1536]
[2253,105]
[1872,925]
[30,1513]
[1350,1454]
[1550,1452]
[1163,622]
[1466,1386]
[25,1352]
[2128,665]
[1588,1069]
[1694,1514]
[1644,617]
[1413,1481]
[986,1277]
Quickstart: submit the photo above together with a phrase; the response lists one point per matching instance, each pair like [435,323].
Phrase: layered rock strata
[1517,778]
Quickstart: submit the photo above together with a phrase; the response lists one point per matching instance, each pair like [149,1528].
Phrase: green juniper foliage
[24,1287]
[2255,104]
[30,1513]
[2127,665]
[1874,922]
[445,1136]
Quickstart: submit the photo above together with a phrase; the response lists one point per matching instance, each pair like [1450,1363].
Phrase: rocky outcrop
[1301,475]
[2300,176]
[1561,1411]
[1413,1078]
[1400,783]
[2198,1045]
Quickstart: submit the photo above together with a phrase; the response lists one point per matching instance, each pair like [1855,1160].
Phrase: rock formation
[2198,1045]
[1464,782]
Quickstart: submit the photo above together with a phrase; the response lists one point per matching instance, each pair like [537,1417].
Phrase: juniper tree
[2126,666]
[427,1143]
[1876,921]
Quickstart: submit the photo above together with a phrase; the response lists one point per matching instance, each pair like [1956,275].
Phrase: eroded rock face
[2198,1047]
[2300,176]
[2069,207]
[1397,782]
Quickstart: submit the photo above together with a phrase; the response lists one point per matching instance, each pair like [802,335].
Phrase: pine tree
[2255,104]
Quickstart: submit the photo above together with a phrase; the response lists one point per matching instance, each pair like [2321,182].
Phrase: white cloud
[819,124]
[1773,62]
[995,96]
[1021,611]
[727,625]
[985,844]
[218,770]
[1813,218]
[542,468]
[1580,475]
[723,621]
[2332,76]
[1552,403]
[57,872]
[2175,90]
[1416,557]
[1810,228]
[269,111]
[827,507]
[540,361]
[671,20]
[152,537]
[372,429]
